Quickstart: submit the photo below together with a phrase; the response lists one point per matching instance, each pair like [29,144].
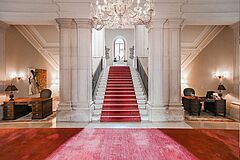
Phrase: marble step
[96,118]
[97,112]
[140,106]
[144,118]
[139,97]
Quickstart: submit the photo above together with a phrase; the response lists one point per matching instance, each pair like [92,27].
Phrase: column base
[166,113]
[73,113]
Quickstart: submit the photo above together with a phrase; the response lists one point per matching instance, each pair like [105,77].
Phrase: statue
[131,52]
[107,52]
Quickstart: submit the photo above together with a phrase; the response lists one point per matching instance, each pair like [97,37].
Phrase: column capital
[83,22]
[65,22]
[174,23]
[3,25]
[236,27]
[158,23]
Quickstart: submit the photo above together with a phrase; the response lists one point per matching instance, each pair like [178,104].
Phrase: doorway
[119,50]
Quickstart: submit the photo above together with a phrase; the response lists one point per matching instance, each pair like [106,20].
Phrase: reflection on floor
[187,124]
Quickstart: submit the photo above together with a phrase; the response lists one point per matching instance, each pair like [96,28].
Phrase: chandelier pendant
[120,13]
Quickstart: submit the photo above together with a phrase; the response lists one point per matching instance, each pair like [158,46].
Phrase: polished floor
[51,123]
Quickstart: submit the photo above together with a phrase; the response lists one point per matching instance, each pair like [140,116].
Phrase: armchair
[45,93]
[191,103]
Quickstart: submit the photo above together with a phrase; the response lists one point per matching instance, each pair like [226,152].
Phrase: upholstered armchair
[189,92]
[191,103]
[45,93]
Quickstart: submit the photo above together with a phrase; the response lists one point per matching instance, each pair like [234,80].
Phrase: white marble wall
[140,42]
[75,69]
[164,103]
[98,47]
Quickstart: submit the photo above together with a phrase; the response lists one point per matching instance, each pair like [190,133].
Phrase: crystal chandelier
[120,13]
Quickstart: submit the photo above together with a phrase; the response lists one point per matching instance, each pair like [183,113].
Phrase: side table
[215,106]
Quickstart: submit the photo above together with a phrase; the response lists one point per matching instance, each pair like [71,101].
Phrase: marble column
[3,27]
[236,63]
[162,56]
[174,27]
[75,70]
[84,67]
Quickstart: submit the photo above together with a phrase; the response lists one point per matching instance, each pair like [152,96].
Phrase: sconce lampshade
[11,88]
[221,87]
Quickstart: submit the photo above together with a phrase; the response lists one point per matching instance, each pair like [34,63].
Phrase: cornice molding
[66,23]
[207,12]
[191,50]
[83,22]
[33,36]
[3,26]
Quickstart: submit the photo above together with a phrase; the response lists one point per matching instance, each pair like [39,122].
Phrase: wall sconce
[220,78]
[18,76]
[221,75]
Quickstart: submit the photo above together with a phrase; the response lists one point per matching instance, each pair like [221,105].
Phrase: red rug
[120,103]
[118,144]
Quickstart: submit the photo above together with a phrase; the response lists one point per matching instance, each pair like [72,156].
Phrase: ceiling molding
[191,50]
[197,12]
[38,42]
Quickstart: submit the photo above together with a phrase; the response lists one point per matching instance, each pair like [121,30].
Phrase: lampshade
[11,88]
[221,87]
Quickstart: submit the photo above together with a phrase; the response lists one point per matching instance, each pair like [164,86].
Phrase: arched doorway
[119,50]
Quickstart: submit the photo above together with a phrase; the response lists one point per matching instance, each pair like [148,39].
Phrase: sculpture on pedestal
[131,52]
[107,52]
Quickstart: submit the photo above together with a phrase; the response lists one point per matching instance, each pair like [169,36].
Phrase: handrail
[143,75]
[96,76]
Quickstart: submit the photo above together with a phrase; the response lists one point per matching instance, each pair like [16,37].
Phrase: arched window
[119,49]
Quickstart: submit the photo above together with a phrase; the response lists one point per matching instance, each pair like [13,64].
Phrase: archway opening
[119,50]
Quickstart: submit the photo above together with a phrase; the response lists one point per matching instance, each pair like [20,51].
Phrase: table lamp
[220,88]
[11,88]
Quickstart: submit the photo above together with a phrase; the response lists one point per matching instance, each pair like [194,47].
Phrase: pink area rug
[121,144]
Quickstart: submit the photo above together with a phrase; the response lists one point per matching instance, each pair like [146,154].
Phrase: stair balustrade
[96,76]
[143,75]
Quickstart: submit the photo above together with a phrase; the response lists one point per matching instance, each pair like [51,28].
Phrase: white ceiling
[194,12]
[46,40]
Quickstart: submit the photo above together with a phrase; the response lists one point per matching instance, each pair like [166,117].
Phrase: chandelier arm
[119,14]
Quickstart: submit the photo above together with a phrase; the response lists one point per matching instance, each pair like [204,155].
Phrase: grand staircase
[120,96]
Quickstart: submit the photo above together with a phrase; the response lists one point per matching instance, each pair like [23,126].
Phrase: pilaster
[3,28]
[236,63]
[174,27]
[66,28]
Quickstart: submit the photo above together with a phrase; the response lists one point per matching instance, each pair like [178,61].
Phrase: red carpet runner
[120,103]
